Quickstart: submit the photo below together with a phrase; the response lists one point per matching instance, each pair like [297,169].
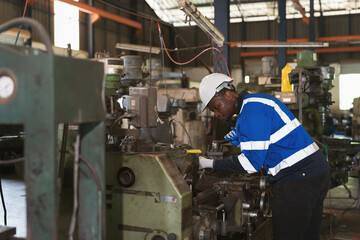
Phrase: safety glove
[233,137]
[205,162]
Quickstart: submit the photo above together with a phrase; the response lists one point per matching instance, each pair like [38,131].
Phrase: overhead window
[66,25]
[348,90]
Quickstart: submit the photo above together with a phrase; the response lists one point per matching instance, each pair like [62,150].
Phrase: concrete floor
[15,202]
[346,210]
[345,224]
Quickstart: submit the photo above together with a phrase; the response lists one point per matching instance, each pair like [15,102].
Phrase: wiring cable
[11,161]
[187,62]
[17,36]
[188,48]
[3,203]
[28,22]
[78,157]
[87,163]
[182,126]
[91,168]
[76,191]
[162,42]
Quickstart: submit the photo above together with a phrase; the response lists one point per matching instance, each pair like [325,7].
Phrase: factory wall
[106,32]
[296,28]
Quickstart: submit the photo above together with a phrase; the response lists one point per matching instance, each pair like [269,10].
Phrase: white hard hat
[212,84]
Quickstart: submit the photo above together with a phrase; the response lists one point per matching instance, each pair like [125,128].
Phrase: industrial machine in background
[35,95]
[154,189]
[185,124]
[159,193]
[310,102]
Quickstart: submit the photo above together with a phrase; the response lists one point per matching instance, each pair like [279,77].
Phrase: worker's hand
[205,162]
[233,137]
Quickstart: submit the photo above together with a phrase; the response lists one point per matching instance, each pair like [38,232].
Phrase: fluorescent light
[138,48]
[247,79]
[281,44]
[203,22]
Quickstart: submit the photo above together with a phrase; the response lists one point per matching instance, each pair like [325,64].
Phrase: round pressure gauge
[8,86]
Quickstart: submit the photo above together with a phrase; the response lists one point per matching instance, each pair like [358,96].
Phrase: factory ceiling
[254,10]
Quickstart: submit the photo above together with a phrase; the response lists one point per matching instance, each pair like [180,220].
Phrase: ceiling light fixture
[138,48]
[203,22]
[280,44]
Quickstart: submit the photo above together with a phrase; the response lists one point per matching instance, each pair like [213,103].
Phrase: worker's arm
[252,135]
[228,165]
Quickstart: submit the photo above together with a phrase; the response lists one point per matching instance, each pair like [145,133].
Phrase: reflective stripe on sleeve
[284,131]
[245,163]
[255,145]
[289,126]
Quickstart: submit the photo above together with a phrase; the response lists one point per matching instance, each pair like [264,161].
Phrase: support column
[40,149]
[222,22]
[282,34]
[312,24]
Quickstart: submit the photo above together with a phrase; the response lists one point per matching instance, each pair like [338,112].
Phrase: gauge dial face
[8,87]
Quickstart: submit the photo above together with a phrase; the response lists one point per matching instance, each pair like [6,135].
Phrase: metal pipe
[294,51]
[280,44]
[282,34]
[97,13]
[312,24]
[342,38]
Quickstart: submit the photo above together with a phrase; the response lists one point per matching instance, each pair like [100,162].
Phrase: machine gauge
[8,86]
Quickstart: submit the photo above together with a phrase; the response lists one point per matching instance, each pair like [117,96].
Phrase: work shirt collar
[240,99]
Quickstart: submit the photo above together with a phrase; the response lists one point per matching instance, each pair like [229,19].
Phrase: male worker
[270,137]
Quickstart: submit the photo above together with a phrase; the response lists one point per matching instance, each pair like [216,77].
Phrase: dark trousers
[298,207]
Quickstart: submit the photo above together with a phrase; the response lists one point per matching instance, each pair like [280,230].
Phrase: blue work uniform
[270,137]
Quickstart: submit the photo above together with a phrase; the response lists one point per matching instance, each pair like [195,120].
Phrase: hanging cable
[184,63]
[11,161]
[162,42]
[76,191]
[28,22]
[17,36]
[91,168]
[3,203]
[182,126]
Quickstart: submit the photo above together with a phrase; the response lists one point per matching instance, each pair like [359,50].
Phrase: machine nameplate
[170,199]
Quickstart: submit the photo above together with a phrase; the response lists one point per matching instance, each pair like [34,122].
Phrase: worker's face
[223,106]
